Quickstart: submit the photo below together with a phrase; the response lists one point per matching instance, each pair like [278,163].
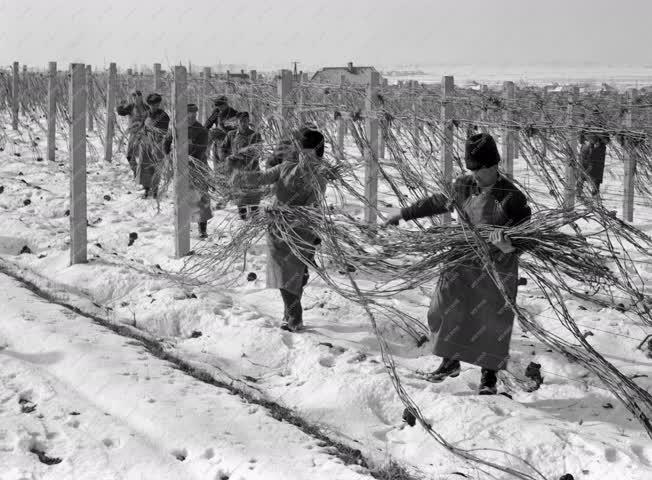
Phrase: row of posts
[81,88]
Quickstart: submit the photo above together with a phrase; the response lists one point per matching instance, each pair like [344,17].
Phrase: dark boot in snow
[292,328]
[488,382]
[146,194]
[202,229]
[448,368]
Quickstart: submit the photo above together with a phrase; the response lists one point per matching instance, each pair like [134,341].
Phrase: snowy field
[105,406]
[618,76]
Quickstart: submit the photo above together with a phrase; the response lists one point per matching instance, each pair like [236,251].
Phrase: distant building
[352,75]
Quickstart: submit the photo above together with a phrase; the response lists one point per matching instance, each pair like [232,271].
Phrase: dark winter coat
[592,157]
[237,141]
[296,183]
[223,120]
[198,168]
[137,115]
[152,150]
[468,316]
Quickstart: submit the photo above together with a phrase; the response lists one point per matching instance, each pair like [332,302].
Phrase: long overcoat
[152,148]
[468,315]
[592,156]
[137,114]
[298,182]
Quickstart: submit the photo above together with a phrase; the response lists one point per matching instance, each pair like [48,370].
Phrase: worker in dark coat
[592,158]
[152,150]
[137,112]
[297,182]
[222,119]
[242,149]
[469,318]
[284,151]
[198,169]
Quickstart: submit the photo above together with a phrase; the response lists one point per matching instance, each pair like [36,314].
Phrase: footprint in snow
[180,454]
[208,453]
[110,443]
[611,455]
[73,423]
[327,362]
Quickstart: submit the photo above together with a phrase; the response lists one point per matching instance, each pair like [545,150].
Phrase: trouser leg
[293,311]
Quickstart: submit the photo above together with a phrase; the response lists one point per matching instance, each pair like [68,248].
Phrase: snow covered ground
[331,376]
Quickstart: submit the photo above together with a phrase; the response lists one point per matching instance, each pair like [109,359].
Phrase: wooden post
[508,144]
[284,86]
[544,121]
[341,123]
[253,110]
[415,116]
[89,94]
[52,109]
[484,89]
[629,160]
[203,105]
[371,150]
[24,87]
[77,148]
[110,112]
[15,92]
[571,165]
[381,138]
[300,112]
[130,79]
[157,77]
[181,174]
[447,90]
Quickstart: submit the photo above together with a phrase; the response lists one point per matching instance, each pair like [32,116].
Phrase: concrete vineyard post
[110,112]
[52,109]
[253,111]
[415,116]
[204,106]
[508,143]
[157,77]
[572,163]
[15,93]
[371,150]
[180,162]
[629,160]
[341,122]
[284,86]
[90,93]
[77,109]
[447,89]
[484,89]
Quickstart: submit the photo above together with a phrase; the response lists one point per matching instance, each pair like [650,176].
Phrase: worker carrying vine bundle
[137,111]
[469,318]
[221,121]
[242,149]
[152,149]
[298,181]
[592,156]
[197,169]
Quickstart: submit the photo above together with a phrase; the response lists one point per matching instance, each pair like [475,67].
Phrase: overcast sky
[272,33]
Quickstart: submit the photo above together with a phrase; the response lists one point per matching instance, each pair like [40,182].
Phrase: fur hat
[310,139]
[481,151]
[221,100]
[153,99]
